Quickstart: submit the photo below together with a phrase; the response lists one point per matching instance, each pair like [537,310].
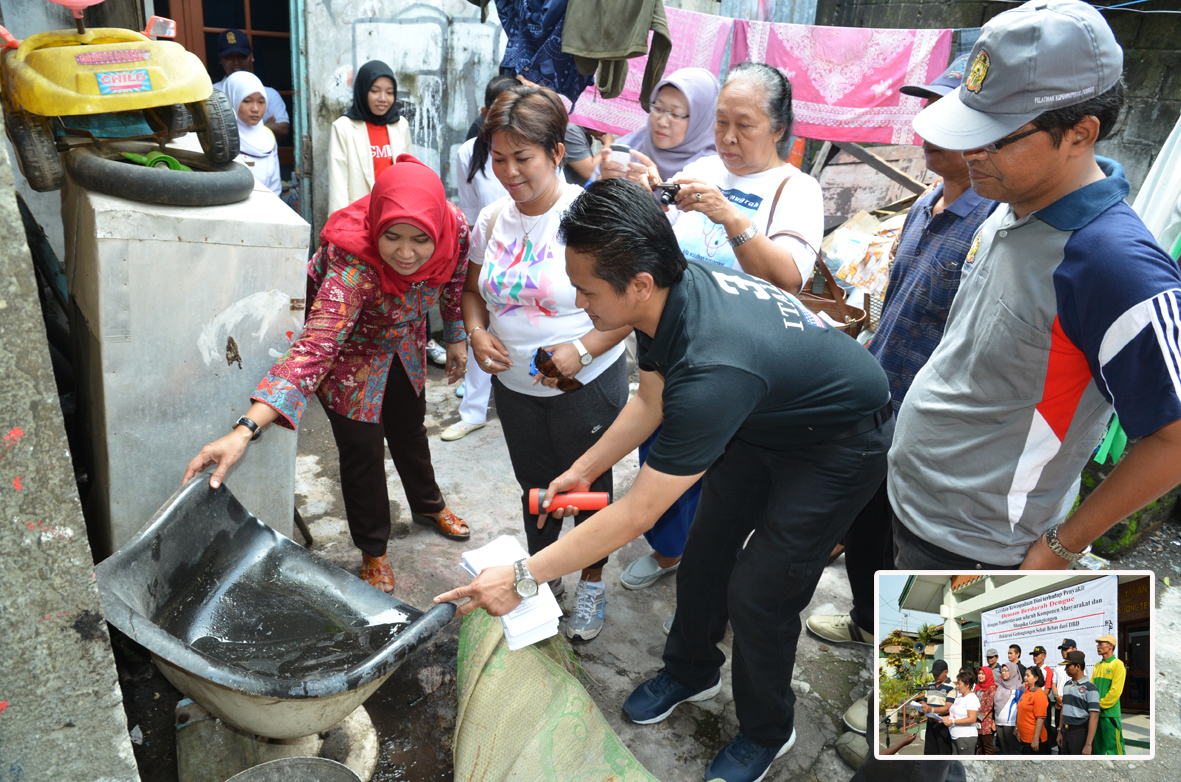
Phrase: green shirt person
[1108,676]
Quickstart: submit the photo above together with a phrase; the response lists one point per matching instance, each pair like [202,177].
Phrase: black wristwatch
[253,427]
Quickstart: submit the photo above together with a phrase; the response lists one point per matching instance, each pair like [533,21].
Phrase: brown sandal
[447,525]
[376,572]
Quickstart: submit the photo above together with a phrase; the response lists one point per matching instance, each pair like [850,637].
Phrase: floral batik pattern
[353,333]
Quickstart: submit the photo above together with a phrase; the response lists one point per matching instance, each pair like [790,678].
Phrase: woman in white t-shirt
[961,720]
[734,207]
[517,300]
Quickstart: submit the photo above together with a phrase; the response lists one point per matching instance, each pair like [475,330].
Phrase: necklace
[541,216]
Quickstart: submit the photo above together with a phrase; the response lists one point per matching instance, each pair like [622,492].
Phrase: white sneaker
[590,605]
[457,430]
[436,353]
[838,629]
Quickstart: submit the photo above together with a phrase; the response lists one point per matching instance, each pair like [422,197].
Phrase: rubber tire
[208,184]
[175,118]
[36,152]
[217,127]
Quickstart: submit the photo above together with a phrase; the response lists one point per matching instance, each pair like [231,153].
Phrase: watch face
[526,587]
[586,358]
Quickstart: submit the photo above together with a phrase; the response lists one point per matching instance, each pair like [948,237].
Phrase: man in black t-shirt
[788,420]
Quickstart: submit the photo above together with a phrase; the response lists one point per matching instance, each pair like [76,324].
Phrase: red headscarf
[989,681]
[406,192]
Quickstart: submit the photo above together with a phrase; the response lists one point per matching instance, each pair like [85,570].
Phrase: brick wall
[1152,61]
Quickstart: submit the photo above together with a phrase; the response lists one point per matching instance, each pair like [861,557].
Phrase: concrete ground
[477,481]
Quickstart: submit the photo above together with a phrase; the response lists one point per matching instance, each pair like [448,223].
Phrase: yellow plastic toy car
[70,88]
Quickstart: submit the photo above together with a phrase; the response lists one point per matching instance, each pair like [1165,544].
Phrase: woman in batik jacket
[383,261]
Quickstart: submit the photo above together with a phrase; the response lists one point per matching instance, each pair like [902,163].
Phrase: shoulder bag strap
[492,221]
[830,284]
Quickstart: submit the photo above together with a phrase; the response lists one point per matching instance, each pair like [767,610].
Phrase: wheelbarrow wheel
[208,184]
[36,152]
[216,126]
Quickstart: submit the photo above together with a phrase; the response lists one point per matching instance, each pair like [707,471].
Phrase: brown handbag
[849,319]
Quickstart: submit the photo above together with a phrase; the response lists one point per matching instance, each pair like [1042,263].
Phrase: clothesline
[845,80]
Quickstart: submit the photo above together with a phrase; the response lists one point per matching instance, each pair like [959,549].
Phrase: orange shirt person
[1031,713]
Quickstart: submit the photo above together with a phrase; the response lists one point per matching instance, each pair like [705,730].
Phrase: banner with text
[1082,613]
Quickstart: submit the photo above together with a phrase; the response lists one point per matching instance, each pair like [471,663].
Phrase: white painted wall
[441,53]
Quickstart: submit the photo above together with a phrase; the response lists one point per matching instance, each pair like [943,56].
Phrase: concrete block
[1126,26]
[1160,31]
[59,694]
[1144,72]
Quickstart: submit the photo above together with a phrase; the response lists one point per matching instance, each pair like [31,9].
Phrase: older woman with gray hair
[744,207]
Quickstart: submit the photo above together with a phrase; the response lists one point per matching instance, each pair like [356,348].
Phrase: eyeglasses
[543,362]
[658,112]
[1000,144]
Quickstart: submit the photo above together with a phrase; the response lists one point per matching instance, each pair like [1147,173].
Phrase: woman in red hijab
[383,262]
[986,690]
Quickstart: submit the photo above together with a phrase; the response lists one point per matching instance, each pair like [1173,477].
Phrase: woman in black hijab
[368,138]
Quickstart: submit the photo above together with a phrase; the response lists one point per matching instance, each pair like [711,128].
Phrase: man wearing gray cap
[992,660]
[1066,307]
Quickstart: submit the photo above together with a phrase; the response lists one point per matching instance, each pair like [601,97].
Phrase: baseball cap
[1076,657]
[1037,650]
[939,666]
[1109,638]
[991,653]
[232,42]
[1067,643]
[1040,56]
[947,81]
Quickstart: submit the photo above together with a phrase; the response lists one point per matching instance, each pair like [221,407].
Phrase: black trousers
[1074,738]
[1051,728]
[938,741]
[546,434]
[869,547]
[798,505]
[900,770]
[362,448]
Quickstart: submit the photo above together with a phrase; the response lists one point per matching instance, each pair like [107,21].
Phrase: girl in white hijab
[256,143]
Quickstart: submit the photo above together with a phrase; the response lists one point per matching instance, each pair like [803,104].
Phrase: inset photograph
[1009,665]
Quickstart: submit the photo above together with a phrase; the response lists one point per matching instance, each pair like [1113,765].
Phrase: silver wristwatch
[744,237]
[1060,550]
[584,355]
[525,584]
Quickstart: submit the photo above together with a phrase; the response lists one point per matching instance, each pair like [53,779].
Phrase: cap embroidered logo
[979,70]
[231,38]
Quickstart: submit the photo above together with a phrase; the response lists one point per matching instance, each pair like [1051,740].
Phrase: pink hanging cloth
[699,41]
[845,80]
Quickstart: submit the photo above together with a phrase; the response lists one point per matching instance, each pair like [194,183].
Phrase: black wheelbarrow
[269,637]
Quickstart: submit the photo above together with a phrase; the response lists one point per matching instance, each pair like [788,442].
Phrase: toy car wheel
[208,184]
[216,127]
[176,119]
[36,152]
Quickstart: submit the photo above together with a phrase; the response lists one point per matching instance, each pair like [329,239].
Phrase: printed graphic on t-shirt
[795,314]
[378,153]
[516,281]
[708,241]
